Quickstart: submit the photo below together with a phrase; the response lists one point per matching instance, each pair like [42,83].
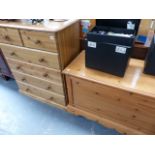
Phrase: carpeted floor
[22,115]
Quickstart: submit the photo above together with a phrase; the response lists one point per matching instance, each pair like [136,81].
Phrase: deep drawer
[46,95]
[31,55]
[40,83]
[45,73]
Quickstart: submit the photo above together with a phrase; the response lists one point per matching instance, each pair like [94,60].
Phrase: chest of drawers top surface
[51,26]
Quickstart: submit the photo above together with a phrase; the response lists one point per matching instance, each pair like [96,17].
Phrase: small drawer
[40,83]
[39,40]
[10,36]
[50,97]
[31,55]
[45,73]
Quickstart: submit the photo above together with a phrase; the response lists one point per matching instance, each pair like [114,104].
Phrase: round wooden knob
[23,79]
[7,37]
[42,60]
[27,89]
[38,42]
[49,87]
[12,53]
[18,67]
[51,98]
[45,75]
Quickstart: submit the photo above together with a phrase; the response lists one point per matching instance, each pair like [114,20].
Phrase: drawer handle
[23,79]
[49,87]
[51,98]
[27,89]
[45,75]
[18,67]
[7,37]
[38,42]
[28,38]
[42,60]
[13,53]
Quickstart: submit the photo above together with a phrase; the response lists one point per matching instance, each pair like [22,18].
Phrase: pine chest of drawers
[37,54]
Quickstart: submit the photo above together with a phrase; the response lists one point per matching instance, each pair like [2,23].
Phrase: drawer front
[129,109]
[31,55]
[10,36]
[40,93]
[39,40]
[36,70]
[37,82]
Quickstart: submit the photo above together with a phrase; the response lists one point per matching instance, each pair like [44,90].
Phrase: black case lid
[118,23]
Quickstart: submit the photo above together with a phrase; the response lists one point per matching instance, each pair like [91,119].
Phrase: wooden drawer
[50,97]
[126,108]
[45,73]
[10,36]
[31,55]
[39,40]
[43,84]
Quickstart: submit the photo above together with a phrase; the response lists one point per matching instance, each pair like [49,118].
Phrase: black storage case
[150,59]
[110,53]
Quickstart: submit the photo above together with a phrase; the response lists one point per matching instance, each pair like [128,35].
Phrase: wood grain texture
[144,27]
[50,97]
[31,55]
[48,74]
[134,80]
[68,43]
[69,92]
[39,40]
[51,26]
[129,109]
[106,122]
[43,100]
[127,103]
[10,36]
[40,83]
